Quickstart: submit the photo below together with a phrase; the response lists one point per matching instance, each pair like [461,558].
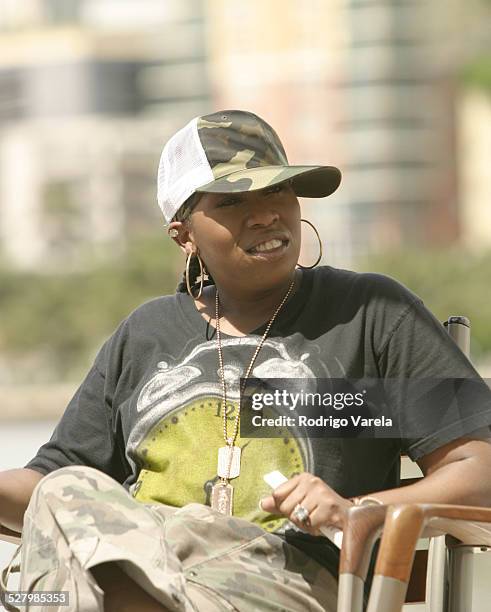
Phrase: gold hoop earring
[320,246]
[188,285]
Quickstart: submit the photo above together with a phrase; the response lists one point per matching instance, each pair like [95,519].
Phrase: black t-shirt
[148,412]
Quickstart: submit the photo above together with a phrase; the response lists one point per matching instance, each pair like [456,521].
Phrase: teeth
[268,246]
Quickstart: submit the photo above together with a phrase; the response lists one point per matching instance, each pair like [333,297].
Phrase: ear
[180,233]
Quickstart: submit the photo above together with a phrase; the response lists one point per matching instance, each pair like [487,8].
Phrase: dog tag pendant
[228,462]
[222,494]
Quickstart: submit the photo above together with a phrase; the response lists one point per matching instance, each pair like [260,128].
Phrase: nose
[261,213]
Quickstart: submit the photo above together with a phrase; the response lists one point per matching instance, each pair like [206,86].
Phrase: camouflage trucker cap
[232,151]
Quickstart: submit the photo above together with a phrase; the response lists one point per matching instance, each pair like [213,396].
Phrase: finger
[277,503]
[274,506]
[271,503]
[268,504]
[295,518]
[279,493]
[307,485]
[285,497]
[296,498]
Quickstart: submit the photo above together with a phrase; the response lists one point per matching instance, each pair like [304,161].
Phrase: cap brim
[307,181]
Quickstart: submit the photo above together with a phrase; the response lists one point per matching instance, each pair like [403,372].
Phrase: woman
[159,410]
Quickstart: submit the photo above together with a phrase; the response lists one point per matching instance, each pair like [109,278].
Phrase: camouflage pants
[189,559]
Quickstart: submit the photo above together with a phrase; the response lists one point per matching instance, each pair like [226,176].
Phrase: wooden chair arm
[404,525]
[362,527]
[361,530]
[7,535]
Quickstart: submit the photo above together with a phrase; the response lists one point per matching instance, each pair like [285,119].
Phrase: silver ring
[301,514]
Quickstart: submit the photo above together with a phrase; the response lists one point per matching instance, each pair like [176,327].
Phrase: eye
[229,201]
[275,188]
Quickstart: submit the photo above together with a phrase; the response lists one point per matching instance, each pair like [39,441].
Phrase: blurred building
[89,92]
[474,111]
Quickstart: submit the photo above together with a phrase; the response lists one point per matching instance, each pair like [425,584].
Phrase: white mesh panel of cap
[183,168]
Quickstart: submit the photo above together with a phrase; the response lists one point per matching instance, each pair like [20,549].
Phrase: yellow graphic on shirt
[180,453]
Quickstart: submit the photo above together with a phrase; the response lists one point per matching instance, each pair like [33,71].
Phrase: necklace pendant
[222,494]
[228,462]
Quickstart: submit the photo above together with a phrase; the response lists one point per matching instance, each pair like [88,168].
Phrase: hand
[324,505]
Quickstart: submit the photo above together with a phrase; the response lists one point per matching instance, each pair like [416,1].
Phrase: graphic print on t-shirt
[180,429]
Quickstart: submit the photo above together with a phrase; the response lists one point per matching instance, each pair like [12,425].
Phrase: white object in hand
[276,478]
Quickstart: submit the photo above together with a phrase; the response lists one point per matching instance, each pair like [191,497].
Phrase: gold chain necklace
[229,455]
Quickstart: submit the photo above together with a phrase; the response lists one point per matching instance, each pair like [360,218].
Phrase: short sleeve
[88,433]
[445,398]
